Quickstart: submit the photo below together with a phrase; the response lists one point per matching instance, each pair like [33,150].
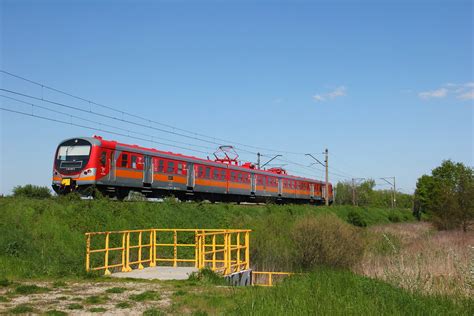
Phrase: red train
[115,169]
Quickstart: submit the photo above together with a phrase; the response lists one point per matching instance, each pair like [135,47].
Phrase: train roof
[99,141]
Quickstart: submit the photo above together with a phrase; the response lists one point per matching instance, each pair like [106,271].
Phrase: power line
[43,86]
[96,129]
[104,124]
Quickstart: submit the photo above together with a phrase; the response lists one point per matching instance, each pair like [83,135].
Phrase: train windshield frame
[72,155]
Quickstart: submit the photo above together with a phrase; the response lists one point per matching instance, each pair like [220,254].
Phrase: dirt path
[84,298]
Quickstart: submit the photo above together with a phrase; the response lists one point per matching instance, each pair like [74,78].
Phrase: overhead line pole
[394,196]
[326,165]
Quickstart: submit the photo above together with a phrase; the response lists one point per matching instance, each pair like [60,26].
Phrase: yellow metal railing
[222,250]
[264,278]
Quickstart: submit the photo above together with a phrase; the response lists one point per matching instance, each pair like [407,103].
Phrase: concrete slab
[158,273]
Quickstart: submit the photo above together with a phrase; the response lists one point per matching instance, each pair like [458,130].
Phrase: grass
[55,312]
[123,305]
[30,289]
[4,299]
[91,300]
[332,292]
[145,296]
[97,310]
[153,312]
[116,290]
[420,259]
[21,309]
[74,306]
[45,238]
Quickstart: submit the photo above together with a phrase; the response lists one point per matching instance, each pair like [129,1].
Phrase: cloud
[338,92]
[462,91]
[439,93]
[466,96]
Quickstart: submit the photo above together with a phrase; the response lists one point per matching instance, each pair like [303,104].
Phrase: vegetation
[448,195]
[365,195]
[32,191]
[326,241]
[332,292]
[145,296]
[46,237]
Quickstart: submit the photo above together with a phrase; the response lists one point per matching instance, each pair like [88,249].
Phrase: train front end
[74,167]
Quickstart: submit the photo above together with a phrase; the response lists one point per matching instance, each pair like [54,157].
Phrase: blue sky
[386,86]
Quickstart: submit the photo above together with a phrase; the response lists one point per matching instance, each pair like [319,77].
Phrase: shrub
[326,240]
[32,191]
[356,219]
[394,218]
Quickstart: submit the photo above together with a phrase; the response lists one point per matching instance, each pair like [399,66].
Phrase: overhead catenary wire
[44,86]
[202,137]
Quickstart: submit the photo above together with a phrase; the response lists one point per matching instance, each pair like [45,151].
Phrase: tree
[448,194]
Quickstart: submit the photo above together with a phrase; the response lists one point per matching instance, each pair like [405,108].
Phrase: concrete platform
[158,273]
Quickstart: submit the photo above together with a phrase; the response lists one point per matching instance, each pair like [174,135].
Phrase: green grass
[54,312]
[116,290]
[21,309]
[74,306]
[153,312]
[123,305]
[91,300]
[45,238]
[4,299]
[97,310]
[330,292]
[30,289]
[145,296]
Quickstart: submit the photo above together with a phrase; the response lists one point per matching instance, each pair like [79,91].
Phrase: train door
[280,186]
[148,171]
[311,190]
[112,164]
[191,175]
[253,182]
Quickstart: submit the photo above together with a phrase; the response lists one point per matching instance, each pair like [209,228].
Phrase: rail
[222,250]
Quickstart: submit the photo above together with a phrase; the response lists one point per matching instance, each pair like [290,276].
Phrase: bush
[326,240]
[32,191]
[356,219]
[394,218]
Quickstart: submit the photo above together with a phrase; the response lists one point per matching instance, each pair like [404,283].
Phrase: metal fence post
[140,265]
[153,248]
[175,248]
[88,254]
[247,250]
[106,259]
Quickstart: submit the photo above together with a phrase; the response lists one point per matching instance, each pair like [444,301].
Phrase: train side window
[240,177]
[124,163]
[161,165]
[208,172]
[200,172]
[103,158]
[134,162]
[216,174]
[170,167]
[223,174]
[180,168]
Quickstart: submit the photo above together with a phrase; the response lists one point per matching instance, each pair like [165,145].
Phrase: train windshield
[73,155]
[71,152]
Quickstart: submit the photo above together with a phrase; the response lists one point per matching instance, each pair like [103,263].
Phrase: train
[86,164]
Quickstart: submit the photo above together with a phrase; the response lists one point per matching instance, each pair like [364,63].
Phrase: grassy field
[46,237]
[404,267]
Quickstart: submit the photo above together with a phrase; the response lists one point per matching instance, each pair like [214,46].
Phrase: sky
[386,86]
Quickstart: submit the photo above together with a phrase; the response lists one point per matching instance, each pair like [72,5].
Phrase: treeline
[363,194]
[447,194]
